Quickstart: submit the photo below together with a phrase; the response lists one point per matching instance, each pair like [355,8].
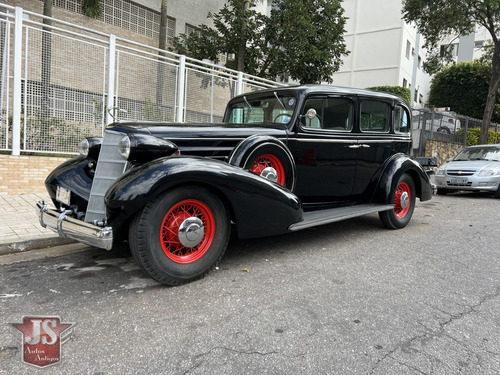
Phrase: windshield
[479,153]
[275,108]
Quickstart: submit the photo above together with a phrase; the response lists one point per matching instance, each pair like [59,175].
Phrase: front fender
[395,167]
[241,154]
[259,207]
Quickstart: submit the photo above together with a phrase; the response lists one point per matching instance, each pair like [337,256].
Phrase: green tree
[302,40]
[439,19]
[92,8]
[463,87]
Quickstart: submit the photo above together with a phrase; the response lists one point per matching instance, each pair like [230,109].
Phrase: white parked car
[476,168]
[443,122]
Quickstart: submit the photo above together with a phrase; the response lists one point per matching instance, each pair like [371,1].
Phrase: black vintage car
[283,160]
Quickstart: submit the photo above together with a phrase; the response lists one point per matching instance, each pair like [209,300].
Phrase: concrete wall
[25,174]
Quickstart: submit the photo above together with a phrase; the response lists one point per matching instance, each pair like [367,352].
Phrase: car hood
[474,165]
[199,131]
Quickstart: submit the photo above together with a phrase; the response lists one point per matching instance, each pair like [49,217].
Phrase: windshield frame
[272,107]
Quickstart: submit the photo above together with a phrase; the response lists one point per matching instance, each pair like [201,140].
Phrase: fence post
[16,90]
[180,89]
[466,131]
[239,86]
[110,104]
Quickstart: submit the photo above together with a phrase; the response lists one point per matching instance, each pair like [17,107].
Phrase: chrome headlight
[440,171]
[89,147]
[124,147]
[138,148]
[84,147]
[488,172]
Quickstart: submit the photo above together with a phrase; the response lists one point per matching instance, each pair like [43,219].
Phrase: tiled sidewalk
[18,219]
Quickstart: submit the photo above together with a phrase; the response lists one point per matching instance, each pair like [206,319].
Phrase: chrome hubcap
[269,173]
[191,232]
[404,200]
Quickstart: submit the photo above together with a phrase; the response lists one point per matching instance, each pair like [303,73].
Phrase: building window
[408,49]
[127,15]
[405,82]
[190,29]
[453,48]
[419,62]
[479,44]
[420,98]
[415,97]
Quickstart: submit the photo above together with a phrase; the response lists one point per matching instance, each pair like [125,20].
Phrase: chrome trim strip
[68,227]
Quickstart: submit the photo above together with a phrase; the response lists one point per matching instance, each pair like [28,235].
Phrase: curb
[33,244]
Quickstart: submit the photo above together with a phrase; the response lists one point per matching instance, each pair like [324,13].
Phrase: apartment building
[384,49]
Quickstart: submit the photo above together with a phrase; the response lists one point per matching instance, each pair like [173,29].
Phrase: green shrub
[402,92]
[473,136]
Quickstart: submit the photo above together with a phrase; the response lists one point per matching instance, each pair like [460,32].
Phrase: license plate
[459,180]
[63,195]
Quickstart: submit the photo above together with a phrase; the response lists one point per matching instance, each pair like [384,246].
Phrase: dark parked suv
[283,159]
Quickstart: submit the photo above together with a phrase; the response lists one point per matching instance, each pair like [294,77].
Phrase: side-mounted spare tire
[181,235]
[267,157]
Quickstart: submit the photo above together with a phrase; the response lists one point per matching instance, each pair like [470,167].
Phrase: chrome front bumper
[69,227]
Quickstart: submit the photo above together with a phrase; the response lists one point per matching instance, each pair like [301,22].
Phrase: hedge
[473,136]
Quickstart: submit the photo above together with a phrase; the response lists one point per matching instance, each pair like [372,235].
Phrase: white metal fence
[61,83]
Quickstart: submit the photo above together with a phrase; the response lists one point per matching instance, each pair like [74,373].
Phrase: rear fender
[395,167]
[260,207]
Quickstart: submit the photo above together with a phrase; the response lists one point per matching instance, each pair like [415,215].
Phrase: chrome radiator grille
[110,166]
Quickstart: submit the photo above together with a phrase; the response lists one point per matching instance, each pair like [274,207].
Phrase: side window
[331,114]
[401,120]
[375,116]
[317,105]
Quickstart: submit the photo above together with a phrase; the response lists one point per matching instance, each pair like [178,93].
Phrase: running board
[332,215]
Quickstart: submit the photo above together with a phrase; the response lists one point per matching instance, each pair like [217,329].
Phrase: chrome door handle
[354,146]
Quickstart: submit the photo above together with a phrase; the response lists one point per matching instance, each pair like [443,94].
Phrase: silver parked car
[476,168]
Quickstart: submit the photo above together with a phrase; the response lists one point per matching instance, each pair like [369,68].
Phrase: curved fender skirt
[260,207]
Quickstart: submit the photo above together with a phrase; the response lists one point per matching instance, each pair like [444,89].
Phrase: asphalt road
[347,298]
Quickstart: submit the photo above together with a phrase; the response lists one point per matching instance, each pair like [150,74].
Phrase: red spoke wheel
[187,231]
[269,161]
[403,197]
[180,236]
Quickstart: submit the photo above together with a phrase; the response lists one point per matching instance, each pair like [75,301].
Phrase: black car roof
[325,89]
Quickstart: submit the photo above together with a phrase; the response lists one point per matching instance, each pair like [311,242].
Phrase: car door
[325,150]
[383,131]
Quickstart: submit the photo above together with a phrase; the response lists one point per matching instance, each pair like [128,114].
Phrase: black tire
[443,130]
[159,247]
[497,193]
[272,155]
[403,197]
[442,191]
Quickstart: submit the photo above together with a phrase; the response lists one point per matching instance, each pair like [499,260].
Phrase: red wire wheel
[171,227]
[269,160]
[404,203]
[402,200]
